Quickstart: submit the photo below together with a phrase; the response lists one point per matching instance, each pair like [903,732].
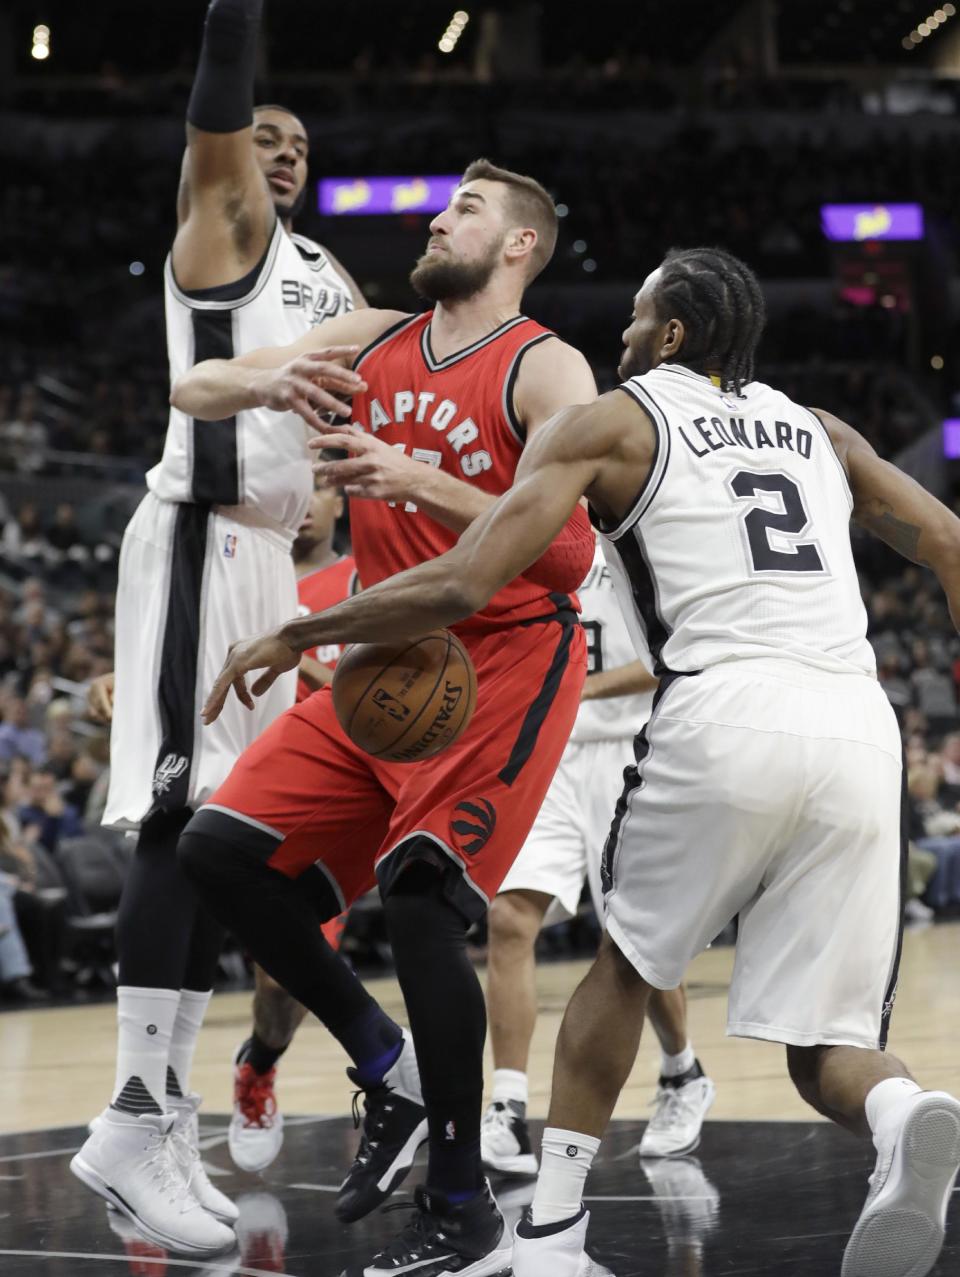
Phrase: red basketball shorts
[305,787]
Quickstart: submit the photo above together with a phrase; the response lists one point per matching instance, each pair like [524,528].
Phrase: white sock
[565,1161]
[510,1084]
[186,1029]
[145,1020]
[887,1105]
[677,1065]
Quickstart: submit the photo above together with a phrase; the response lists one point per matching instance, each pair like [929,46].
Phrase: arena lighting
[355,196]
[936,363]
[951,439]
[855,223]
[41,43]
[925,29]
[448,41]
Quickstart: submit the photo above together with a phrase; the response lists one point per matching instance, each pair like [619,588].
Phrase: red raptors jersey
[319,590]
[456,413]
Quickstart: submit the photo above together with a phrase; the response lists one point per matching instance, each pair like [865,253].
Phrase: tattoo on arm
[903,537]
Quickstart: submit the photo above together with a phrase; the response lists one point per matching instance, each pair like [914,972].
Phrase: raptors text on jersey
[457,414]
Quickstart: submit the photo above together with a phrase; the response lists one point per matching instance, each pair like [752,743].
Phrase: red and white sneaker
[256,1127]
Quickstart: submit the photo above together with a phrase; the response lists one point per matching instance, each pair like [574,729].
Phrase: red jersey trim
[513,421]
[440,365]
[384,337]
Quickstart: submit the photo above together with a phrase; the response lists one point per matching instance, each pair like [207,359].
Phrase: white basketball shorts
[566,842]
[770,791]
[192,581]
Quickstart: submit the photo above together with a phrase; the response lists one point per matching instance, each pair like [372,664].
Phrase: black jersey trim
[439,365]
[215,472]
[646,598]
[833,452]
[658,466]
[889,997]
[385,336]
[310,251]
[180,660]
[538,709]
[424,845]
[513,372]
[229,296]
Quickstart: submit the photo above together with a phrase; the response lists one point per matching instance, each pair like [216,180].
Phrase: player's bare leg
[256,1128]
[596,1050]
[514,922]
[684,1093]
[917,1137]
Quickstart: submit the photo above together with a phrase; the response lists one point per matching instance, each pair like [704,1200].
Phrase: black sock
[261,1057]
[448,1020]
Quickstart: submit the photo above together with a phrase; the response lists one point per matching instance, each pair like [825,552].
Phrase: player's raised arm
[304,377]
[225,209]
[899,511]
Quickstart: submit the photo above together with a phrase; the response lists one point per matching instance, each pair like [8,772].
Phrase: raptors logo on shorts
[473,823]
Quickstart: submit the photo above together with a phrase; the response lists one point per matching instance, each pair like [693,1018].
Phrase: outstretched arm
[557,467]
[224,208]
[898,510]
[294,378]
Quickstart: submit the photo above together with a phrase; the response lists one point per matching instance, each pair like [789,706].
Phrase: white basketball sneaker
[128,1160]
[555,1250]
[256,1127]
[505,1140]
[185,1145]
[679,1108]
[901,1229]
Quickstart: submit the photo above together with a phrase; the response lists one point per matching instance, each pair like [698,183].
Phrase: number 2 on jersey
[792,521]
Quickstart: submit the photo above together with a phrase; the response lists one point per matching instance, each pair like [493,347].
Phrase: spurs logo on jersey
[257,458]
[739,544]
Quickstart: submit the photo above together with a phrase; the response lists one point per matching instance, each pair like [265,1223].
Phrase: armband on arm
[221,100]
[566,561]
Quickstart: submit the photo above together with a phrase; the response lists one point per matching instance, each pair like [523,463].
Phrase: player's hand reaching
[100,698]
[268,653]
[373,469]
[311,385]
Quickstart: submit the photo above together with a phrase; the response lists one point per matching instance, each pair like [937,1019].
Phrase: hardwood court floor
[57,1065]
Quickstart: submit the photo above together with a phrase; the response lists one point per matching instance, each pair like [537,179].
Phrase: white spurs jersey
[738,546]
[258,458]
[609,646]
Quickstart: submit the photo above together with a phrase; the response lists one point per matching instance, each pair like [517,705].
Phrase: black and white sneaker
[445,1240]
[505,1140]
[394,1125]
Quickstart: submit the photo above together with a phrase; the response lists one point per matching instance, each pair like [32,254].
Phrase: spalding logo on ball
[404,702]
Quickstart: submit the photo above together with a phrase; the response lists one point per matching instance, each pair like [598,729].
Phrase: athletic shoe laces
[419,1236]
[168,1176]
[254,1096]
[672,1107]
[376,1109]
[498,1118]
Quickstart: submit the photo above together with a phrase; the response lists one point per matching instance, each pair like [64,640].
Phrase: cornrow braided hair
[718,299]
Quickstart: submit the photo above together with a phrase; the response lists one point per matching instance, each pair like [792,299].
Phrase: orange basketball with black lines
[406,701]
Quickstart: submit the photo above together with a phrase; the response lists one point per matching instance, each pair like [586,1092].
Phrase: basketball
[404,702]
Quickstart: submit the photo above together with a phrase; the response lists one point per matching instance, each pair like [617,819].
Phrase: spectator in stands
[23,539]
[47,812]
[17,738]
[23,438]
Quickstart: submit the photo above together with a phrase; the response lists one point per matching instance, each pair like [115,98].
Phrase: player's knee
[803,1067]
[512,922]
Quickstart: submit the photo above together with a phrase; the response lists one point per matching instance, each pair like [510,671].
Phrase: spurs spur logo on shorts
[473,823]
[172,767]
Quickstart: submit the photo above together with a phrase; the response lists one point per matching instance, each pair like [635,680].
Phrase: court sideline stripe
[197,1265]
